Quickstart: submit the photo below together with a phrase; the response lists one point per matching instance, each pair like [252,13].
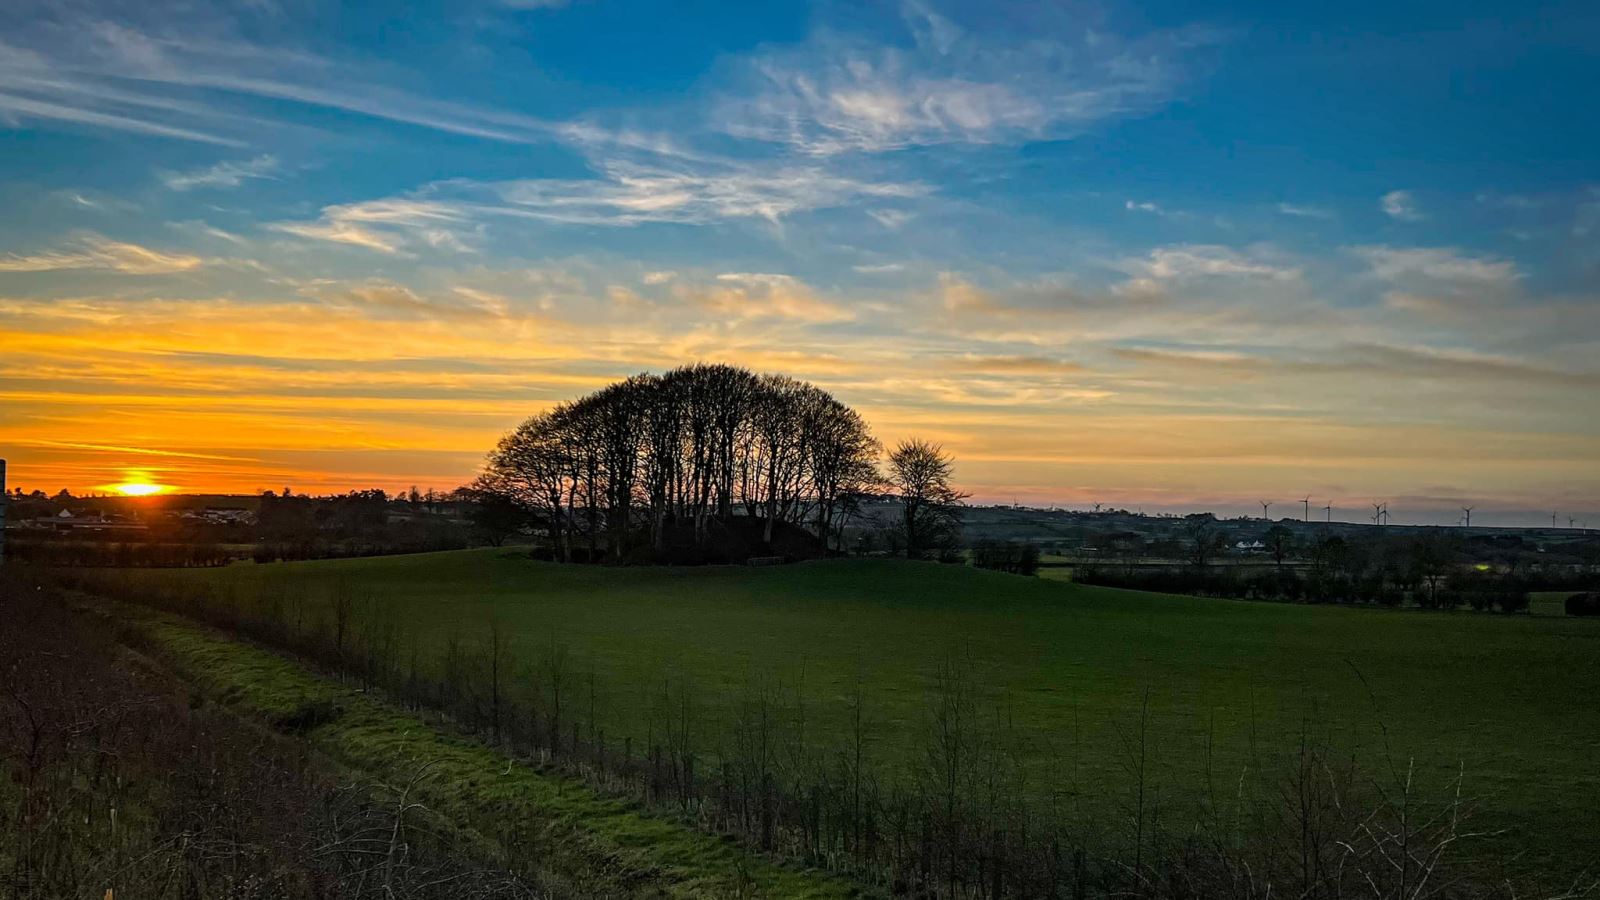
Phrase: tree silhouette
[920,474]
[648,459]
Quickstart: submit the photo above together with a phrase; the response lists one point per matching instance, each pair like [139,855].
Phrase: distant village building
[220,515]
[67,520]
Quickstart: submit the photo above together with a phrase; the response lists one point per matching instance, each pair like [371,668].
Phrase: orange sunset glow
[350,282]
[340,394]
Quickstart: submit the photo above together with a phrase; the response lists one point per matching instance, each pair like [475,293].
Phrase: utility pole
[5,498]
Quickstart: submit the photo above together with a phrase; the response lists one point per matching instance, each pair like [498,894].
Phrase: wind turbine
[1329,510]
[1307,502]
[1468,511]
[1264,505]
[1552,518]
[1377,513]
[1572,521]
[1386,513]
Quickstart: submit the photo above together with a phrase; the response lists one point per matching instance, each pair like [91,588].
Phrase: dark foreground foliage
[117,783]
[53,551]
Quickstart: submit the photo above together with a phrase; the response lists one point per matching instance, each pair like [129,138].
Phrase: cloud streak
[622,195]
[96,252]
[1041,75]
[223,174]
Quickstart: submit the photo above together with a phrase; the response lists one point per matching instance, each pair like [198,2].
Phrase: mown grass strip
[585,843]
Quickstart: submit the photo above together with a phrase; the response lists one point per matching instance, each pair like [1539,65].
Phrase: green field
[1508,699]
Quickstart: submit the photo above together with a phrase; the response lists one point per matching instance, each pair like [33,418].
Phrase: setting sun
[139,489]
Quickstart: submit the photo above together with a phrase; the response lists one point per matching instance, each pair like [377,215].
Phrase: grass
[1056,573]
[1549,603]
[1509,699]
[586,844]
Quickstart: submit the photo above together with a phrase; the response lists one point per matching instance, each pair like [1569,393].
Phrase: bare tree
[920,474]
[1205,539]
[1280,543]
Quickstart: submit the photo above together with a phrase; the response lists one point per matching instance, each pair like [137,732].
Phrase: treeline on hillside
[116,552]
[357,523]
[655,462]
[1016,557]
[962,817]
[1426,571]
[273,527]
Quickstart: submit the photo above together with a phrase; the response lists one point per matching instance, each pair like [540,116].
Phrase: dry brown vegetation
[118,780]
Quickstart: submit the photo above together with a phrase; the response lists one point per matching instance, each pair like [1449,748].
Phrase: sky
[1168,256]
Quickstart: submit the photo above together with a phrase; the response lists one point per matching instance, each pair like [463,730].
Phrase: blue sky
[1164,254]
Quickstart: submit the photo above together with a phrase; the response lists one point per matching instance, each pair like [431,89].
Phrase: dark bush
[1006,556]
[1585,604]
[308,717]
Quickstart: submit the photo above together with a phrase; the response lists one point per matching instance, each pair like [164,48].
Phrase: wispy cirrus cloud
[623,194]
[186,83]
[1438,265]
[1034,73]
[1479,301]
[21,109]
[1302,211]
[1375,362]
[1150,207]
[759,295]
[226,174]
[1191,261]
[385,225]
[632,194]
[93,251]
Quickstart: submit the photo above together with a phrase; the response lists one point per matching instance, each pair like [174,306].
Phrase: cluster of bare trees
[661,459]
